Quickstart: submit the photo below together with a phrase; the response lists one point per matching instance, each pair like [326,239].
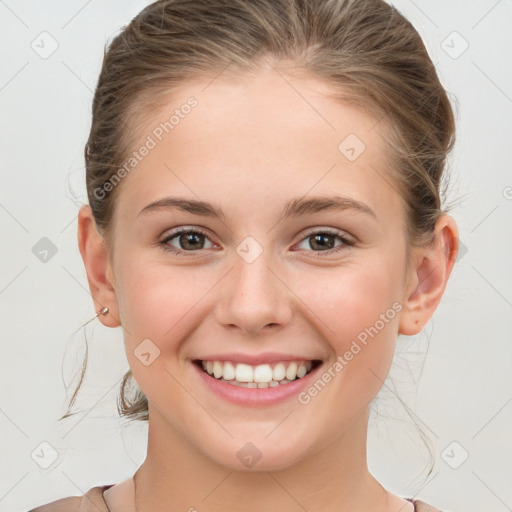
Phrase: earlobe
[97,266]
[429,277]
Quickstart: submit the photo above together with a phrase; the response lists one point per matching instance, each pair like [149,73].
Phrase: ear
[97,265]
[429,274]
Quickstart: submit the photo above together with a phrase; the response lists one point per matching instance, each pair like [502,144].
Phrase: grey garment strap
[421,506]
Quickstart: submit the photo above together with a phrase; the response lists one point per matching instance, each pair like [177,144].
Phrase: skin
[249,147]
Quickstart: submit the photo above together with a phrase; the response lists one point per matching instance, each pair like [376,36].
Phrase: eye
[326,239]
[191,240]
[188,240]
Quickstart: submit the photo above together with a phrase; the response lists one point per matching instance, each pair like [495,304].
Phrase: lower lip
[255,397]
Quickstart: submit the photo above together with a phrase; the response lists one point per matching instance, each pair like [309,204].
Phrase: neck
[175,475]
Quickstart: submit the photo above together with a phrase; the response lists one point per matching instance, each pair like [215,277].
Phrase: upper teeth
[259,374]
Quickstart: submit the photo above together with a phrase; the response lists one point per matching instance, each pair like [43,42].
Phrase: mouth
[260,376]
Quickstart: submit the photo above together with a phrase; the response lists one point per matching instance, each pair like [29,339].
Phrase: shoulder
[91,501]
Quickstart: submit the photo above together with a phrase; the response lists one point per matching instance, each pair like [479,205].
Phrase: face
[266,281]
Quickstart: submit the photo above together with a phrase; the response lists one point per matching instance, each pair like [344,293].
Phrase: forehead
[259,139]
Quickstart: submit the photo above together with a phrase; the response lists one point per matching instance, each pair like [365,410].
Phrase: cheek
[354,297]
[359,309]
[153,302]
[359,314]
[152,298]
[163,304]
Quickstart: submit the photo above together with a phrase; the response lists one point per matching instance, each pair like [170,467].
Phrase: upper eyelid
[330,231]
[174,233]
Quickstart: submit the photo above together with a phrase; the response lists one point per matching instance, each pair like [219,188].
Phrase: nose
[254,298]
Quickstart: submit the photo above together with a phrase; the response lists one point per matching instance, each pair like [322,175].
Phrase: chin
[255,456]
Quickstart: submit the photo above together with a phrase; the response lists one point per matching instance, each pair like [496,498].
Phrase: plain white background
[461,394]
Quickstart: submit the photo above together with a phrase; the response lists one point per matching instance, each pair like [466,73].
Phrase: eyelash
[345,241]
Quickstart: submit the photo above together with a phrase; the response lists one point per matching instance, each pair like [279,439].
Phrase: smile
[259,376]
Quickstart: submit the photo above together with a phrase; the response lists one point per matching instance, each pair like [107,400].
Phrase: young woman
[264,220]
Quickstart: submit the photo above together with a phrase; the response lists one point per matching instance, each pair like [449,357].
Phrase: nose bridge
[254,297]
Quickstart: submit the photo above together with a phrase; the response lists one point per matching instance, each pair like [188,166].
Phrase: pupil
[189,240]
[321,240]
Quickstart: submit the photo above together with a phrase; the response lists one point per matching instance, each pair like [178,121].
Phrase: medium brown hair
[365,49]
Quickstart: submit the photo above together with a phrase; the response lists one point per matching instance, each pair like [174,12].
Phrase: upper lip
[256,359]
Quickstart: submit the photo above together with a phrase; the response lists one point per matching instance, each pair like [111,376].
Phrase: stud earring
[102,311]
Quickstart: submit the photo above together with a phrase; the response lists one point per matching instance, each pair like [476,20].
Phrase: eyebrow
[293,208]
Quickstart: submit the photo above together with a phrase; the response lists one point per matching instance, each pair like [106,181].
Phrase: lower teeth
[271,384]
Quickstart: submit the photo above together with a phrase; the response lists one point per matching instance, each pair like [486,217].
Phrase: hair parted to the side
[364,49]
